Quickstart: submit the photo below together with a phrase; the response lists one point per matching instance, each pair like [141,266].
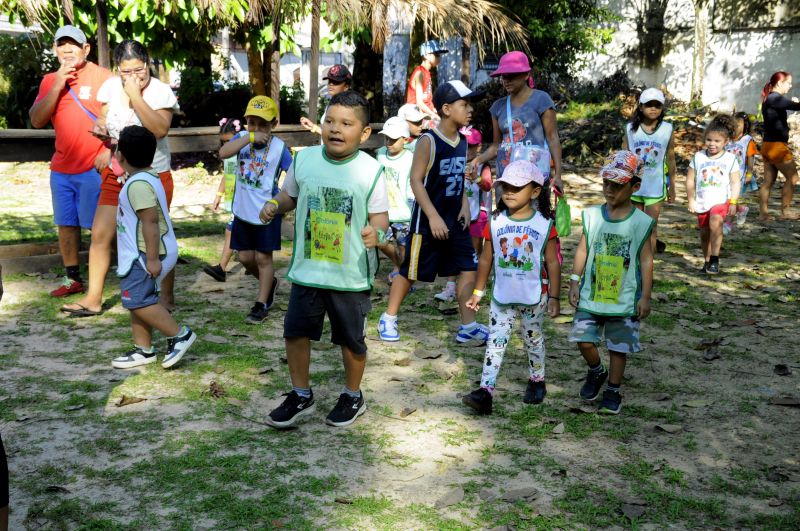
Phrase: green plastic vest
[611,283]
[331,211]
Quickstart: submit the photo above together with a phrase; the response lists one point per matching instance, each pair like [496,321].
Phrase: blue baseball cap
[432,46]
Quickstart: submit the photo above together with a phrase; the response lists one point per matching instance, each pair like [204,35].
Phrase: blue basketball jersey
[444,181]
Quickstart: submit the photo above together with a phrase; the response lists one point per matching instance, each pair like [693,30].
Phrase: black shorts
[3,476]
[262,238]
[427,257]
[347,312]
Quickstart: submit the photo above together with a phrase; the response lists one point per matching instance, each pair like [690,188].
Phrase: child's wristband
[220,194]
[734,201]
[274,202]
[478,292]
[574,277]
[252,137]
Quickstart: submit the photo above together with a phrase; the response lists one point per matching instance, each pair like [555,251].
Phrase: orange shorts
[776,152]
[110,187]
[716,210]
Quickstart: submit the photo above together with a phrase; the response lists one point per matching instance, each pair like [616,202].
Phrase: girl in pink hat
[524,122]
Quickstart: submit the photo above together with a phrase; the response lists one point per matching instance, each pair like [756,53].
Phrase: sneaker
[347,410]
[271,296]
[216,272]
[475,337]
[480,400]
[387,329]
[133,358]
[611,403]
[712,268]
[257,313]
[291,410]
[660,246]
[704,269]
[448,294]
[535,392]
[741,215]
[594,382]
[68,287]
[177,347]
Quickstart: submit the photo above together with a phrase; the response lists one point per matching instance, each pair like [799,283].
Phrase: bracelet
[558,298]
[220,194]
[574,277]
[478,292]
[252,137]
[274,202]
[734,201]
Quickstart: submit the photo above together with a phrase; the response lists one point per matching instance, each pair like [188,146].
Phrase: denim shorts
[75,197]
[138,289]
[621,333]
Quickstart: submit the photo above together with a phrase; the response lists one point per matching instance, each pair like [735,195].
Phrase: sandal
[80,311]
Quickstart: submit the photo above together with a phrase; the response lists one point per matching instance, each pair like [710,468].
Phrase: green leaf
[195,14]
[167,7]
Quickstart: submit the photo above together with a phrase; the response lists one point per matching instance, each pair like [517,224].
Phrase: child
[650,138]
[261,158]
[146,251]
[713,186]
[479,197]
[396,162]
[612,279]
[440,244]
[342,213]
[415,118]
[520,288]
[744,148]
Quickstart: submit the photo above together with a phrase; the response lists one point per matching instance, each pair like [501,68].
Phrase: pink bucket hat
[620,167]
[474,137]
[514,62]
[520,173]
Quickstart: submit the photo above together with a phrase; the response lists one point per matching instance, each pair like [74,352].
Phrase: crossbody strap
[87,111]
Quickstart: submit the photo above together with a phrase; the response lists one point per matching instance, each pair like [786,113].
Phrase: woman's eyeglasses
[135,71]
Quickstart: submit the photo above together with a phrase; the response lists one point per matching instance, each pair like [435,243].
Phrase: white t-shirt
[378,201]
[712,179]
[157,95]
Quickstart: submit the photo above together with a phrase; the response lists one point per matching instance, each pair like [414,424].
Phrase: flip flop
[81,311]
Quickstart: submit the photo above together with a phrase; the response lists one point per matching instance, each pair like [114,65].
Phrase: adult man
[68,99]
[420,84]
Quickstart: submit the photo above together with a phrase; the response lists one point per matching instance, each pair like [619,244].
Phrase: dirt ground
[707,437]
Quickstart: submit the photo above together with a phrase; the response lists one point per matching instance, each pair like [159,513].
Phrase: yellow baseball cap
[263,107]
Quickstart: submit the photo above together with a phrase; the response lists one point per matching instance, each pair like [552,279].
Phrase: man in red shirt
[68,99]
[420,84]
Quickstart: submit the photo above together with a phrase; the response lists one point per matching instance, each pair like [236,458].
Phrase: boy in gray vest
[146,252]
[342,215]
[612,279]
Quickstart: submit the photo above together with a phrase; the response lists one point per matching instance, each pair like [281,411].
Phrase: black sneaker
[713,268]
[347,410]
[294,408]
[611,403]
[480,400]
[535,392]
[704,269]
[257,313]
[660,246]
[594,382]
[271,296]
[216,272]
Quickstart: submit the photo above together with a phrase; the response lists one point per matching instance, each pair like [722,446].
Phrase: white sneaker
[387,328]
[133,358]
[177,347]
[448,294]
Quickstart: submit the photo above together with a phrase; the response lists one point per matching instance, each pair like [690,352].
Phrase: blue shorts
[75,197]
[261,238]
[137,288]
[427,257]
[621,333]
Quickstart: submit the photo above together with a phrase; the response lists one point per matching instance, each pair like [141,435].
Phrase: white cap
[395,127]
[652,94]
[70,32]
[521,172]
[411,112]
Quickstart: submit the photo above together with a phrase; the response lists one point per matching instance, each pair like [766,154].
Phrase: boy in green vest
[612,280]
[342,215]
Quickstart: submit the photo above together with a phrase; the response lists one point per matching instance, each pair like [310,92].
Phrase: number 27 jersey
[444,181]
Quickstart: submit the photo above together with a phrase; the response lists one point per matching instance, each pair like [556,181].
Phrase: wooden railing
[30,145]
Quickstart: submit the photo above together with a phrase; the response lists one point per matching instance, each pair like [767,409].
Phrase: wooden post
[313,69]
[103,56]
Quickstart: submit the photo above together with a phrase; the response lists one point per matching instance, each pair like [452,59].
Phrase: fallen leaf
[450,498]
[56,488]
[403,362]
[711,353]
[698,403]
[407,411]
[781,369]
[240,334]
[632,512]
[563,319]
[785,400]
[669,428]
[76,407]
[343,501]
[524,493]
[559,429]
[397,379]
[266,370]
[211,338]
[126,400]
[582,409]
[212,289]
[774,502]
[215,390]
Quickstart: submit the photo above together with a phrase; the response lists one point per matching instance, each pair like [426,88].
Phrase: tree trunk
[103,56]
[275,59]
[701,27]
[313,69]
[255,66]
[396,52]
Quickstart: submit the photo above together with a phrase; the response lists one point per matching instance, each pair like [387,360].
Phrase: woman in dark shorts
[775,148]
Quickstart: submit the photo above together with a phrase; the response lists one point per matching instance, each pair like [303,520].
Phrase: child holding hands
[526,281]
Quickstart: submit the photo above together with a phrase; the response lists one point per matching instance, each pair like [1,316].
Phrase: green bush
[293,100]
[22,66]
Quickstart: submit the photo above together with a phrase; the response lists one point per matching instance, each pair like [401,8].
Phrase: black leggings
[3,476]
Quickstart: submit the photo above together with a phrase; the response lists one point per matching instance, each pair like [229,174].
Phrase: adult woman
[523,122]
[132,97]
[775,148]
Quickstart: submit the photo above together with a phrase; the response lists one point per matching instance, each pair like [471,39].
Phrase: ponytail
[776,78]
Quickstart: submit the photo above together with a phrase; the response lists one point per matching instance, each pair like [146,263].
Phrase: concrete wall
[654,41]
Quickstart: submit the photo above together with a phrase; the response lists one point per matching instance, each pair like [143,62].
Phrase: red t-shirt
[427,87]
[76,148]
[487,235]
